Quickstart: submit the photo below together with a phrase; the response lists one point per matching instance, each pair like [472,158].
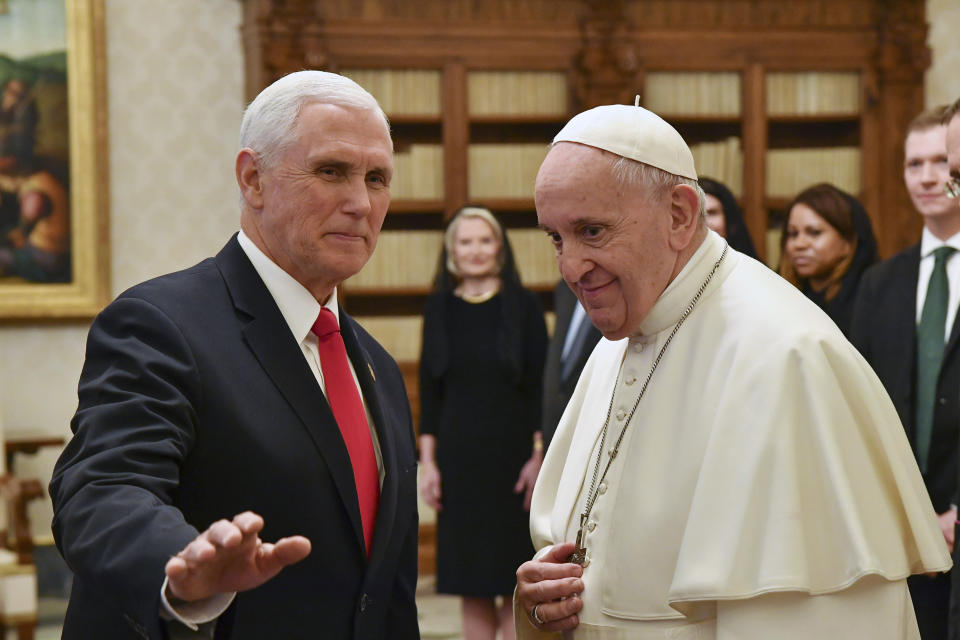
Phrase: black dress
[482,411]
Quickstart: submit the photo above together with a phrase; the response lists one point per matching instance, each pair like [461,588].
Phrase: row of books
[535,256]
[721,161]
[418,172]
[401,336]
[772,243]
[693,93]
[492,93]
[503,170]
[402,91]
[791,170]
[510,170]
[409,258]
[813,93]
[405,258]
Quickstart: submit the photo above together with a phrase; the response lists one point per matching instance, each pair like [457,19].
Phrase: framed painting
[54,233]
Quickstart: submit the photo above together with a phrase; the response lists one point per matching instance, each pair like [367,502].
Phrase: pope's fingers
[548,590]
[560,615]
[559,552]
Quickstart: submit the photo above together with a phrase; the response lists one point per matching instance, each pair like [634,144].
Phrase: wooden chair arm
[18,492]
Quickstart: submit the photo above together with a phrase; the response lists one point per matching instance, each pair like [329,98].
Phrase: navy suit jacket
[557,389]
[884,329]
[195,404]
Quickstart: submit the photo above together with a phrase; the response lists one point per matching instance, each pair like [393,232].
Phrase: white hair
[268,122]
[653,181]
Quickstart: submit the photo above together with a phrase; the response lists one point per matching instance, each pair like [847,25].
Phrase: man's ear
[249,177]
[684,215]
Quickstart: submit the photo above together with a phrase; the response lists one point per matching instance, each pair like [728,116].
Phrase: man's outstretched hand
[229,556]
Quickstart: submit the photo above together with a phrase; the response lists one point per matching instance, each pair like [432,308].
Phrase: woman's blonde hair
[450,235]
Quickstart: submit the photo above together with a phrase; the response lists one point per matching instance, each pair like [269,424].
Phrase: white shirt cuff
[193,614]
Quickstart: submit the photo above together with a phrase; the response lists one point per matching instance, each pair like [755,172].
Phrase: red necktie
[344,399]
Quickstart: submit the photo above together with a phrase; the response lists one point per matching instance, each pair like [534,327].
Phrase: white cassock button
[602,488]
[621,414]
[630,380]
[638,346]
[591,525]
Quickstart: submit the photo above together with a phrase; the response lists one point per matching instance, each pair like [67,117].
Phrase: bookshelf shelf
[406,205]
[387,304]
[805,118]
[813,133]
[508,205]
[682,119]
[385,292]
[404,119]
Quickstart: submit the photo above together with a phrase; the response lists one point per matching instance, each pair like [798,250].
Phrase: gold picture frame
[88,288]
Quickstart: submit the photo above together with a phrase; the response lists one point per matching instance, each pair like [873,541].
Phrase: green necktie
[930,342]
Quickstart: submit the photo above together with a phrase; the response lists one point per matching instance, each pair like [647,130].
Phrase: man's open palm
[229,556]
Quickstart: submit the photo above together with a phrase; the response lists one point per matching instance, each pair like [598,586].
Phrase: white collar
[929,242]
[671,304]
[297,305]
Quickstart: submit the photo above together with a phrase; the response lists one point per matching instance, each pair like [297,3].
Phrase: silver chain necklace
[579,554]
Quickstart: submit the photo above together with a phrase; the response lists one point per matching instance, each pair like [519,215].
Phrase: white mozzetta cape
[764,457]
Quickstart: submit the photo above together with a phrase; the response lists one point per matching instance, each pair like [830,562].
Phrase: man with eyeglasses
[905,324]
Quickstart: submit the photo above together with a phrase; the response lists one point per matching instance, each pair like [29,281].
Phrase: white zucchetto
[631,132]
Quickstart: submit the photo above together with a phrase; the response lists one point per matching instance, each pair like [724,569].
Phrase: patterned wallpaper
[175,77]
[176,95]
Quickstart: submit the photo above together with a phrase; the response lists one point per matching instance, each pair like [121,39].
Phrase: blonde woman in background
[484,345]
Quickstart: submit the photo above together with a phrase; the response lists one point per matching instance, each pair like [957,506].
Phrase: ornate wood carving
[282,36]
[606,66]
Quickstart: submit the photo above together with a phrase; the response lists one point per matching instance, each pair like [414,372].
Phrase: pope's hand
[549,589]
[229,556]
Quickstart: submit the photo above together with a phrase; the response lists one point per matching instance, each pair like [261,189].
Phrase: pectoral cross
[579,555]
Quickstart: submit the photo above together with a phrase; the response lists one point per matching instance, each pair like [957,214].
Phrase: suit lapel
[366,375]
[268,336]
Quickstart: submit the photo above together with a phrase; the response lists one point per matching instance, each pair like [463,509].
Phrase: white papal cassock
[764,488]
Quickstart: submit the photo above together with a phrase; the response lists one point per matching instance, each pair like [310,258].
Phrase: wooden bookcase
[606,51]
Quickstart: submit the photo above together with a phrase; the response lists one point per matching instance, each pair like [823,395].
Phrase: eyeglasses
[952,188]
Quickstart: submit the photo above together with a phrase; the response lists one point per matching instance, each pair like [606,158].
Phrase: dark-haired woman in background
[826,246]
[725,217]
[484,345]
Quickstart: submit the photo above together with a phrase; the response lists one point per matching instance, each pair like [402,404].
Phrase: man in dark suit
[905,324]
[952,120]
[219,409]
[574,338]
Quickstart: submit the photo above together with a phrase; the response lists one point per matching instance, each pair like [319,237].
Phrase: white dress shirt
[928,244]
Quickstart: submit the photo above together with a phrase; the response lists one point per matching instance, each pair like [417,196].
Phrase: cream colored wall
[175,77]
[942,80]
